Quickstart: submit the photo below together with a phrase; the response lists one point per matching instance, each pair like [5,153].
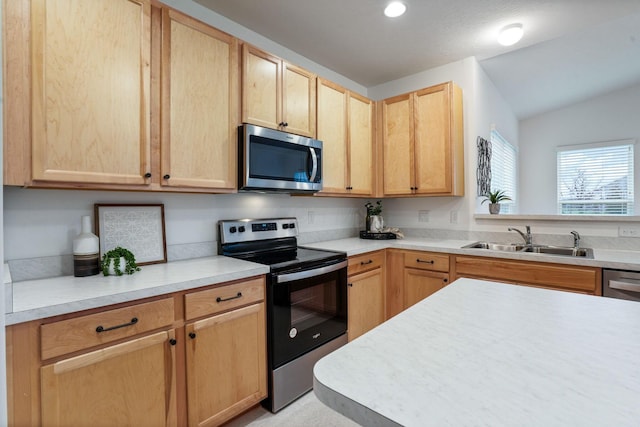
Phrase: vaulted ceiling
[572,49]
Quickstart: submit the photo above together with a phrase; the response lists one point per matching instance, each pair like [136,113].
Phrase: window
[504,170]
[596,179]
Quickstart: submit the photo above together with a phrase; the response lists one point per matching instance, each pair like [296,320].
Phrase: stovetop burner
[272,242]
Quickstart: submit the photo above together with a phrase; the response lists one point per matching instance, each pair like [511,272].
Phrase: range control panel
[246,230]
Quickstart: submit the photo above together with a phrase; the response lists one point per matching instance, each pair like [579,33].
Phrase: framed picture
[138,228]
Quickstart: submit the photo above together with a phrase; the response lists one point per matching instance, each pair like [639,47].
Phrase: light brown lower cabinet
[572,278]
[194,358]
[127,384]
[424,274]
[365,293]
[226,365]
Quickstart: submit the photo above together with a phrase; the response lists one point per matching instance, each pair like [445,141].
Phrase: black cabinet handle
[147,175]
[424,262]
[239,295]
[350,284]
[445,280]
[366,262]
[172,341]
[167,176]
[111,328]
[192,335]
[285,124]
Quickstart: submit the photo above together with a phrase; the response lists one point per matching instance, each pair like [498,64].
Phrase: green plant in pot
[494,198]
[374,220]
[119,261]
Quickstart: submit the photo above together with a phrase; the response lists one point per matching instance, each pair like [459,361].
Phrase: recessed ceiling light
[395,9]
[510,35]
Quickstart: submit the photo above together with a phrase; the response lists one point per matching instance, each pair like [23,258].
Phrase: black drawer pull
[173,341]
[424,262]
[366,262]
[111,328]
[192,335]
[230,298]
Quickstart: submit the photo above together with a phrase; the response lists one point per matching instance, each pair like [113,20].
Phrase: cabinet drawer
[365,262]
[75,334]
[216,300]
[427,261]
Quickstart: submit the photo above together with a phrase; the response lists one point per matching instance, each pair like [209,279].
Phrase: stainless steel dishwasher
[621,284]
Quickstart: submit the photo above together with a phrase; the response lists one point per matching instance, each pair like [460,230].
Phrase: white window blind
[596,179]
[504,170]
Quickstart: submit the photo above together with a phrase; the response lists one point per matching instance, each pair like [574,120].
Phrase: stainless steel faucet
[528,238]
[576,239]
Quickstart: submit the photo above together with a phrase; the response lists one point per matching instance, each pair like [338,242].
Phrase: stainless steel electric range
[306,300]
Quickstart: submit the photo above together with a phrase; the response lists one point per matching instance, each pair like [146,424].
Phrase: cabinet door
[226,365]
[90,94]
[419,284]
[298,101]
[432,140]
[332,131]
[261,88]
[398,145]
[366,302]
[200,104]
[360,145]
[128,384]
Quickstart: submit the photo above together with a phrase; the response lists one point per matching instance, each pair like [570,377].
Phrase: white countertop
[37,299]
[483,353]
[605,258]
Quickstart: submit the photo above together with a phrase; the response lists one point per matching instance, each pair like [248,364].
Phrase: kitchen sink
[538,249]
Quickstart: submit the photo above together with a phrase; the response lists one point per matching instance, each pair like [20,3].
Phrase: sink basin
[509,247]
[538,249]
[561,250]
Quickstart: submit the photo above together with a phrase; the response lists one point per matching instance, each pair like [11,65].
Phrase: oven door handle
[290,277]
[624,286]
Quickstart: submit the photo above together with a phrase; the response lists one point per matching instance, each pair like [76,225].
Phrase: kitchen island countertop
[484,353]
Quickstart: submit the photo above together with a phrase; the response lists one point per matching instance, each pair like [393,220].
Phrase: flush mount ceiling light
[395,9]
[511,34]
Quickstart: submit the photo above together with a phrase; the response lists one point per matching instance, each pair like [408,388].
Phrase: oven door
[306,309]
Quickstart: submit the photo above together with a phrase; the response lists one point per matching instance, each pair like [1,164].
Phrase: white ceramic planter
[122,266]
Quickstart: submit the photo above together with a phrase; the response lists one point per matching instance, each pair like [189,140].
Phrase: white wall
[610,117]
[40,223]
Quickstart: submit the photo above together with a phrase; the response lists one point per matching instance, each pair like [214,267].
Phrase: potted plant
[374,221]
[118,261]
[494,198]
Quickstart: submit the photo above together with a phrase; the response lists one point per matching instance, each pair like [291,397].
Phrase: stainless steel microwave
[275,161]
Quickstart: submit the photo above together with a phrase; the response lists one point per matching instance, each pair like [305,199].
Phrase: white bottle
[86,250]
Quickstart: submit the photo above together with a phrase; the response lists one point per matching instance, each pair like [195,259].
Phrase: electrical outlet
[453,217]
[628,231]
[311,217]
[423,216]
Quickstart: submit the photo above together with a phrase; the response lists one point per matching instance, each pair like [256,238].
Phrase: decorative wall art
[138,228]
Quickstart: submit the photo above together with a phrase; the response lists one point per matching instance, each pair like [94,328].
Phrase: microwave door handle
[314,164]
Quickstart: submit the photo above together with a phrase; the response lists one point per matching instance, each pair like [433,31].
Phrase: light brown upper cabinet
[423,142]
[118,94]
[276,94]
[345,127]
[90,105]
[200,78]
